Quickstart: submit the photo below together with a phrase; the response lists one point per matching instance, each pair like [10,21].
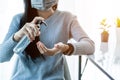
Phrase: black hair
[28,16]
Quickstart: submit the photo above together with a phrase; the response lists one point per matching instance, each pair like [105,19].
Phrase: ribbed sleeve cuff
[7,49]
[10,44]
[81,48]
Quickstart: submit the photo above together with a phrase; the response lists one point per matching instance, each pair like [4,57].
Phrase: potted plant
[105,32]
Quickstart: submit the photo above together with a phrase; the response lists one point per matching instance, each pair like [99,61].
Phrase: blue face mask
[43,4]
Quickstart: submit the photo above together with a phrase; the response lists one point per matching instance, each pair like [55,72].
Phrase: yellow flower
[104,24]
[118,22]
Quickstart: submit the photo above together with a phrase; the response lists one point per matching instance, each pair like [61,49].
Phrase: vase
[104,36]
[117,46]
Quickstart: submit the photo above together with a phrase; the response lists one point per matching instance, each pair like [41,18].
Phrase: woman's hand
[59,47]
[31,30]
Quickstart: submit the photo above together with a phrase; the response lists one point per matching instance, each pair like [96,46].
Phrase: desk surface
[107,59]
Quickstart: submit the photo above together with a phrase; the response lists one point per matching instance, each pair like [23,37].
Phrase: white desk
[107,55]
[107,60]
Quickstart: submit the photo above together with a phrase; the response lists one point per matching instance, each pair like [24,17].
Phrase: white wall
[8,8]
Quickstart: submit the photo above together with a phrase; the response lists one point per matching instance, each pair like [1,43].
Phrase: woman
[43,59]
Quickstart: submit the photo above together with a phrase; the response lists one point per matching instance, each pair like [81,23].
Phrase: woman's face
[43,5]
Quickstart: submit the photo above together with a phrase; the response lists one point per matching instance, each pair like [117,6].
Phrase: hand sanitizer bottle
[24,42]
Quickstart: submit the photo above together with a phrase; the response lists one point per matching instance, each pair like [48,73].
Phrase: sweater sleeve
[84,45]
[6,48]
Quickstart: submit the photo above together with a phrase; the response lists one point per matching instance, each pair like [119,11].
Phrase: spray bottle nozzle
[41,22]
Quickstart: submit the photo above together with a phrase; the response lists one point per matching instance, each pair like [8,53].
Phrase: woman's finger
[37,31]
[36,19]
[60,46]
[28,35]
[30,31]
